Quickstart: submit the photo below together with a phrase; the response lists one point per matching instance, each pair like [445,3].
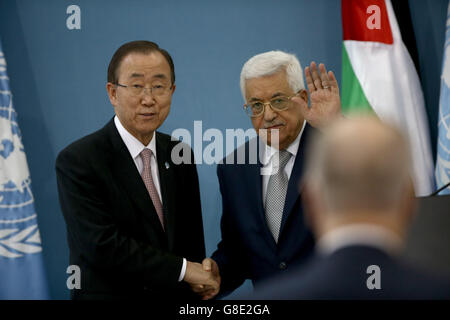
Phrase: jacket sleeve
[194,249]
[94,234]
[229,255]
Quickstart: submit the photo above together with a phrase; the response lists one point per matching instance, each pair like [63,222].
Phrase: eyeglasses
[257,108]
[137,89]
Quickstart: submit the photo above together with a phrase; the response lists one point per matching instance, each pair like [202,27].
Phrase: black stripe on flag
[403,15]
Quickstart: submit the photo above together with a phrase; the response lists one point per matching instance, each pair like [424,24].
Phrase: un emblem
[443,147]
[19,232]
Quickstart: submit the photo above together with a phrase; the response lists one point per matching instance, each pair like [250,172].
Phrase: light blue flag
[22,274]
[443,146]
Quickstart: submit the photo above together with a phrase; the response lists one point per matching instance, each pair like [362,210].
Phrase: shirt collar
[359,234]
[292,148]
[133,144]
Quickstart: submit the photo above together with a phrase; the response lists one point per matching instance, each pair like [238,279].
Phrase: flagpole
[440,189]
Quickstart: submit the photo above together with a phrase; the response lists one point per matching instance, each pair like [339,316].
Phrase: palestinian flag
[379,76]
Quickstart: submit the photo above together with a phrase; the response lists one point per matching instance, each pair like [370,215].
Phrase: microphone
[439,190]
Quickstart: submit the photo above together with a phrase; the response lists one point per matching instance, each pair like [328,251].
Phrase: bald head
[360,164]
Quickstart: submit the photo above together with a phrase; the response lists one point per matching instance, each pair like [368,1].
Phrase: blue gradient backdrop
[58,76]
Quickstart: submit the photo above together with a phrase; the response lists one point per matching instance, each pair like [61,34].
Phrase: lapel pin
[167,165]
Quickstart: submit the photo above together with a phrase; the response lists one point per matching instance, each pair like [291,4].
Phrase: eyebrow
[277,94]
[160,76]
[136,75]
[140,75]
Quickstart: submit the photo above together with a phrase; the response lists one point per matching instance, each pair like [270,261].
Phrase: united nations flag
[22,273]
[443,146]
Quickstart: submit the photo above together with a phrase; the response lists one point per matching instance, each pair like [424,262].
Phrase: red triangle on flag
[366,20]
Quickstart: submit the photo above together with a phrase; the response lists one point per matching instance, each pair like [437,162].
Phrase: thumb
[206,264]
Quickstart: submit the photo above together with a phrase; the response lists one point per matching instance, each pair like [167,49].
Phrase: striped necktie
[150,185]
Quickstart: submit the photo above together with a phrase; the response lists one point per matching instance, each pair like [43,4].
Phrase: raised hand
[204,279]
[324,92]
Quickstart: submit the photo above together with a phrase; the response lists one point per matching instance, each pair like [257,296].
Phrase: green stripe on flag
[353,97]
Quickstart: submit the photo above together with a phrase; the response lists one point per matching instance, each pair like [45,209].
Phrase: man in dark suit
[359,200]
[133,217]
[263,230]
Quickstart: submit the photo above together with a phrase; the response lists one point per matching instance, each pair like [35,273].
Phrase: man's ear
[173,88]
[304,95]
[112,93]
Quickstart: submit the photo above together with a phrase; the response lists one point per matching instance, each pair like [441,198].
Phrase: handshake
[204,278]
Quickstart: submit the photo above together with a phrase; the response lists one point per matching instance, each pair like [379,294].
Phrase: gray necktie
[276,194]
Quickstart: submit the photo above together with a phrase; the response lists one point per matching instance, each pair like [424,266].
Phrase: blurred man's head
[274,77]
[359,171]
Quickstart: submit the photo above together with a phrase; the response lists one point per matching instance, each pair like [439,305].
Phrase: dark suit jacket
[113,230]
[343,275]
[247,249]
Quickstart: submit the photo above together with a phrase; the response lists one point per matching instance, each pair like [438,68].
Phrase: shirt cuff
[183,271]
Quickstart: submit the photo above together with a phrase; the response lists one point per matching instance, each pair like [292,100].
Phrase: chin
[149,126]
[281,142]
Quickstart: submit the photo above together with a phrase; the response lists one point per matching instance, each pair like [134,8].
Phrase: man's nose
[269,114]
[147,97]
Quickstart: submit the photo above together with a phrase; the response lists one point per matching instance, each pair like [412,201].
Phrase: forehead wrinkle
[277,94]
[262,87]
[136,75]
[140,75]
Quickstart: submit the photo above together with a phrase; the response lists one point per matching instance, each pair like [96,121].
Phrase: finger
[215,269]
[209,294]
[207,297]
[315,76]
[206,264]
[204,291]
[324,76]
[309,81]
[210,281]
[333,82]
[198,290]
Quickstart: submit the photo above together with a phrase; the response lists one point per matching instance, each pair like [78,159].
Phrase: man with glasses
[263,229]
[133,217]
[359,196]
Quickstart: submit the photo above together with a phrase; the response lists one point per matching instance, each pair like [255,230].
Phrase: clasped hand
[204,278]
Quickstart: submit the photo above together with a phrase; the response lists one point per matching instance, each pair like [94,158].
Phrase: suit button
[282,266]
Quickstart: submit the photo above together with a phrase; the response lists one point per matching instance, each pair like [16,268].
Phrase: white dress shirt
[359,234]
[135,148]
[270,165]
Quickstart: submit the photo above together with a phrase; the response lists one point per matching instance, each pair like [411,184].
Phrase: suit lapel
[124,169]
[293,191]
[167,183]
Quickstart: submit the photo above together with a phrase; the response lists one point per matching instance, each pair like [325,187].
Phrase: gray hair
[360,163]
[271,62]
